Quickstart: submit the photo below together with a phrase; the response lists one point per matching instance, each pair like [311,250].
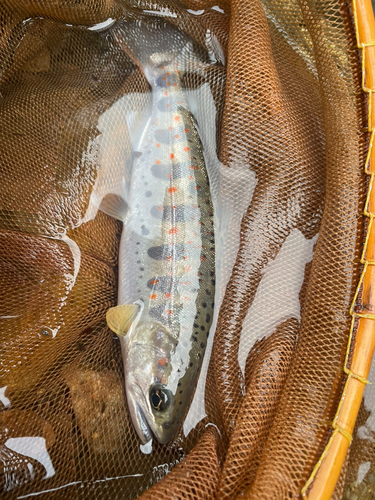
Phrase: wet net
[275,88]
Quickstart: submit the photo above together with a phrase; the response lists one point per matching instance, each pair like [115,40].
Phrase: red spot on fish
[158,162]
[177,71]
[193,168]
[203,258]
[168,295]
[173,230]
[187,269]
[176,136]
[154,282]
[191,177]
[187,298]
[158,145]
[178,102]
[197,187]
[167,74]
[185,257]
[177,118]
[186,148]
[189,242]
[169,176]
[167,106]
[163,361]
[164,78]
[168,258]
[169,128]
[160,208]
[163,67]
[166,92]
[175,84]
[171,156]
[186,131]
[168,312]
[153,296]
[168,83]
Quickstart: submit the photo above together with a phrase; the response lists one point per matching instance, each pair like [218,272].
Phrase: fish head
[151,396]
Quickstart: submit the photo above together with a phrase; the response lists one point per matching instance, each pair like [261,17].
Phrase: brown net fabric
[284,77]
[360,476]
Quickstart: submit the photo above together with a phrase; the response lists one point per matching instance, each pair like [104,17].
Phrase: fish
[166,258]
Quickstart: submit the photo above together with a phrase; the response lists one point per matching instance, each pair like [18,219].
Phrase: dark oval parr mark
[164,252]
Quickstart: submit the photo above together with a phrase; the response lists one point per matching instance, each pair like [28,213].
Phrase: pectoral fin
[114,206]
[120,318]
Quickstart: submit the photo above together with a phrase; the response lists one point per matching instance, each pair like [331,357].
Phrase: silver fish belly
[166,263]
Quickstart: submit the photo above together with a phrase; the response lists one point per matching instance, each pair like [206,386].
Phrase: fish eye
[160,398]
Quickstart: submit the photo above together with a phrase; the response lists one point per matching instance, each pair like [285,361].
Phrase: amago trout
[166,261]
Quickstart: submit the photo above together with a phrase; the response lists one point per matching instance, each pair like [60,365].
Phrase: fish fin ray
[114,206]
[120,318]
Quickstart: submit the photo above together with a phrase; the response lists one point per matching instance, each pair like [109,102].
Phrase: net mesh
[285,79]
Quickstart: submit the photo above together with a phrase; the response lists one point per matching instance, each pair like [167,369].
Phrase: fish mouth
[145,432]
[141,425]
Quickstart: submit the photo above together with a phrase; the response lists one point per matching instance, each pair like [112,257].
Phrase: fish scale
[166,262]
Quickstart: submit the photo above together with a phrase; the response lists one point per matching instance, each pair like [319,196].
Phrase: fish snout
[137,414]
